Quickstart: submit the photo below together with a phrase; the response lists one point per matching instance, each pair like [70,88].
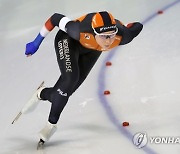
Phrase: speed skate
[45,134]
[32,103]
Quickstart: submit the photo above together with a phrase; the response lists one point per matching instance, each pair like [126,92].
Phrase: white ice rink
[144,81]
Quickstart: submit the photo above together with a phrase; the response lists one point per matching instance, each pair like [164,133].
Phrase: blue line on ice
[101,83]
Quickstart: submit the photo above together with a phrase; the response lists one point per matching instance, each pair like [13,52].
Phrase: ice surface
[143,80]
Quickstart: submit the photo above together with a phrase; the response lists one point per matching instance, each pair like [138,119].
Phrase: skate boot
[45,134]
[32,103]
[47,131]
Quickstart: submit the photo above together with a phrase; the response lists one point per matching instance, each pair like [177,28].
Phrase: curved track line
[101,83]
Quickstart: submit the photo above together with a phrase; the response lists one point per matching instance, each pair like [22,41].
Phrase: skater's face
[105,39]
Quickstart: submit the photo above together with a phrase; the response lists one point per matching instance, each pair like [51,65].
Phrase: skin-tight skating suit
[77,51]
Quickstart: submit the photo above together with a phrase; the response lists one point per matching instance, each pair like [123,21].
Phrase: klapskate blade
[17,117]
[41,85]
[40,145]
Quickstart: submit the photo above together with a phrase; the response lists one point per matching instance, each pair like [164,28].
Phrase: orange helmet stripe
[97,21]
[101,19]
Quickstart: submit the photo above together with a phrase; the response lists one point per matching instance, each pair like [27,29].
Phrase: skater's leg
[67,57]
[60,95]
[86,63]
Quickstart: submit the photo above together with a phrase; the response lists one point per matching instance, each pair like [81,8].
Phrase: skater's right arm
[55,20]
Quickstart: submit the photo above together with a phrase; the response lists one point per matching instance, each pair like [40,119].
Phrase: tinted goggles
[106,36]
